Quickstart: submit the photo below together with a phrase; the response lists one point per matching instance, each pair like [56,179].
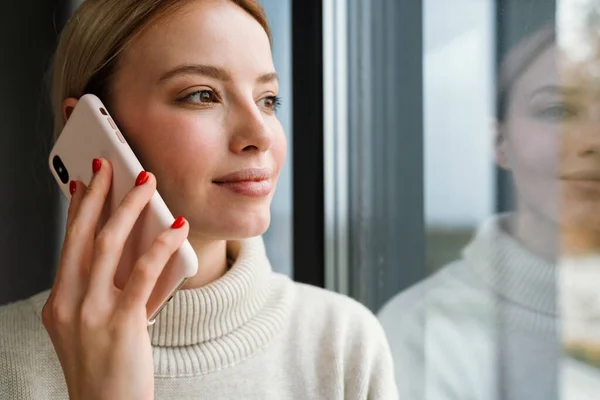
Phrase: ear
[500,145]
[68,106]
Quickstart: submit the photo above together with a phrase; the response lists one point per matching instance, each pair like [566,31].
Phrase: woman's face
[551,142]
[580,146]
[196,96]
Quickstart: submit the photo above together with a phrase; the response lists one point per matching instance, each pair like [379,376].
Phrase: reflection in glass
[579,272]
[486,325]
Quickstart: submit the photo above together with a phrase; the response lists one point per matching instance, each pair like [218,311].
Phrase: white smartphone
[90,133]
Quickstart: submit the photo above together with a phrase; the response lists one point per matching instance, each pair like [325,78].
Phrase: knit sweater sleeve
[29,368]
[13,363]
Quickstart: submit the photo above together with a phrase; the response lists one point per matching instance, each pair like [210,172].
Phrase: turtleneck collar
[203,314]
[510,270]
[218,325]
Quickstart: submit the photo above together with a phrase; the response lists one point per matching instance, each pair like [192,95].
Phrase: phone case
[91,133]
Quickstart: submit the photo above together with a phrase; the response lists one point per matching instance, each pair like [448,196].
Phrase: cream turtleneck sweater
[482,328]
[253,334]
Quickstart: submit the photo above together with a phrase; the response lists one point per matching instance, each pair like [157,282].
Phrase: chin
[584,218]
[247,231]
[237,226]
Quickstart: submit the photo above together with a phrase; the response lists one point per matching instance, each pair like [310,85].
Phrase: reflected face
[551,138]
[580,146]
[529,136]
[196,96]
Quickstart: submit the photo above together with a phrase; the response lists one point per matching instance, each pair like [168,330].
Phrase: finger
[110,241]
[149,267]
[77,190]
[82,224]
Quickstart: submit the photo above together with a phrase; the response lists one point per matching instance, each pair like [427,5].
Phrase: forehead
[542,72]
[217,33]
[552,68]
[584,74]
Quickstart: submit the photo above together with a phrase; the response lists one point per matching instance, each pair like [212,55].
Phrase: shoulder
[21,319]
[444,317]
[21,328]
[333,311]
[27,358]
[448,299]
[449,290]
[323,312]
[405,316]
[347,338]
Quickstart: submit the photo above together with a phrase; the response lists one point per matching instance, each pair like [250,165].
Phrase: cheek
[279,148]
[533,147]
[169,141]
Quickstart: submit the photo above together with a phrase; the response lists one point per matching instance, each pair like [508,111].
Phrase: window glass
[508,305]
[278,238]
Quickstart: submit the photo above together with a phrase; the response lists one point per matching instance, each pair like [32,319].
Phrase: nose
[586,142]
[249,133]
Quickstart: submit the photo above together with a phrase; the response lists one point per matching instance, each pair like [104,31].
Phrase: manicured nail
[179,222]
[72,187]
[142,178]
[96,165]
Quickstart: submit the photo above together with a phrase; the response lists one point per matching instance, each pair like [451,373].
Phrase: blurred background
[392,169]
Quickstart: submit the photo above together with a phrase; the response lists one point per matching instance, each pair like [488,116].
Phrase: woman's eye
[202,97]
[270,102]
[557,113]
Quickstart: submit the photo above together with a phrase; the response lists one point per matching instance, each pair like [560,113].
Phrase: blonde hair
[90,44]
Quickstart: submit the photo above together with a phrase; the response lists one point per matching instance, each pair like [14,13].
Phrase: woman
[193,86]
[487,326]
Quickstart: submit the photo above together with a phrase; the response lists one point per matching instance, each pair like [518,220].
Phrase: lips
[254,182]
[246,175]
[587,181]
[582,176]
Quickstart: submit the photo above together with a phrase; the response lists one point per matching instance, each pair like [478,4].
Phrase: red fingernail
[96,165]
[72,187]
[179,222]
[142,178]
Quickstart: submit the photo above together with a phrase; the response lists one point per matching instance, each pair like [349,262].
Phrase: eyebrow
[212,72]
[552,89]
[268,77]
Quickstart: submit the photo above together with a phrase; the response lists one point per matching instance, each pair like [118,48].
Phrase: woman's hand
[98,331]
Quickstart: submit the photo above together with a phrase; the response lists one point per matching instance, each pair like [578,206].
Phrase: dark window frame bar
[307,143]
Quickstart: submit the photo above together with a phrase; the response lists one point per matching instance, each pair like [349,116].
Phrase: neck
[579,241]
[537,233]
[212,260]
